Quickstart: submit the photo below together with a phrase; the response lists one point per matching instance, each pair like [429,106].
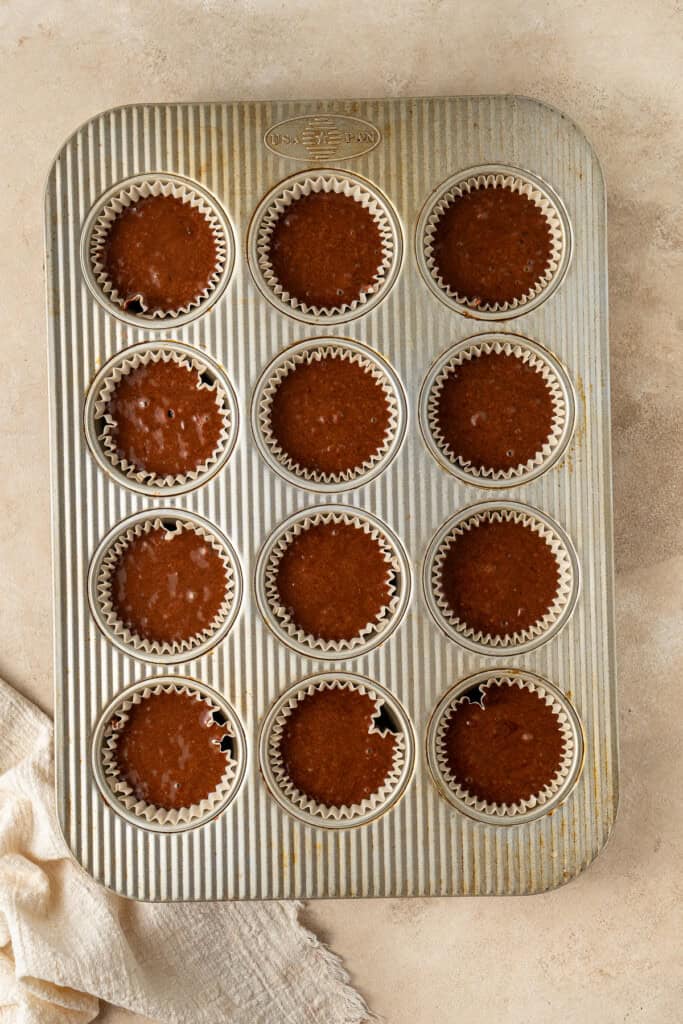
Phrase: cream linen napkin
[65,942]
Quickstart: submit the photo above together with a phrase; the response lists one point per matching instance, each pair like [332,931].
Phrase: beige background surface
[602,949]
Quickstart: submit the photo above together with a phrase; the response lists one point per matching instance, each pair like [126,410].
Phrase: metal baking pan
[236,153]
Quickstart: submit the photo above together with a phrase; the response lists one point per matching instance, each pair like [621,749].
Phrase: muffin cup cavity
[310,810]
[495,176]
[133,308]
[273,207]
[100,586]
[539,803]
[521,640]
[98,425]
[119,792]
[532,355]
[279,618]
[305,353]
[101,425]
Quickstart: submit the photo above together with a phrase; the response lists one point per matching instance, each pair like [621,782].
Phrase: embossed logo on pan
[322,137]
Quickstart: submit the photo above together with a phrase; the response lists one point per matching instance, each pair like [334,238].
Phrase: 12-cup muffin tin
[403,156]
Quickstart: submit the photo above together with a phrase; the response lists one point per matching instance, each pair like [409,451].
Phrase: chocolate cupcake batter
[329,752]
[329,415]
[160,252]
[506,751]
[168,586]
[333,579]
[499,577]
[164,422]
[492,245]
[168,750]
[495,411]
[326,249]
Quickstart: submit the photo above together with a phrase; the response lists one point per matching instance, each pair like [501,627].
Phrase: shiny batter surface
[168,586]
[499,577]
[169,750]
[164,422]
[492,245]
[326,249]
[329,752]
[495,411]
[161,251]
[329,415]
[507,750]
[333,579]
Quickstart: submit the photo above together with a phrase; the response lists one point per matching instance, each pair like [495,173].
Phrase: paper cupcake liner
[325,351]
[282,616]
[564,585]
[532,359]
[133,361]
[371,805]
[548,792]
[104,589]
[142,189]
[516,183]
[124,793]
[303,186]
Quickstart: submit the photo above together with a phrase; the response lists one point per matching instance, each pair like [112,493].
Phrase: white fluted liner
[108,387]
[280,616]
[566,583]
[306,355]
[98,424]
[121,789]
[523,185]
[254,848]
[367,809]
[509,345]
[130,193]
[553,787]
[101,581]
[273,207]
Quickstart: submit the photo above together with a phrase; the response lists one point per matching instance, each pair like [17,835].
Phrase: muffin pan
[405,160]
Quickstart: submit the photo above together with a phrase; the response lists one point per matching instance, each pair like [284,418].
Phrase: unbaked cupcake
[493,242]
[166,587]
[330,751]
[501,577]
[162,420]
[494,411]
[326,249]
[159,248]
[324,245]
[168,754]
[333,580]
[333,751]
[160,253]
[506,747]
[328,414]
[492,245]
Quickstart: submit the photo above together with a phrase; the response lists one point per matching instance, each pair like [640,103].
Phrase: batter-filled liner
[130,194]
[381,724]
[516,183]
[555,783]
[106,424]
[355,190]
[124,793]
[330,350]
[281,616]
[107,610]
[546,451]
[558,607]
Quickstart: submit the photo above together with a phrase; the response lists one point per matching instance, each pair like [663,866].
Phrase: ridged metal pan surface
[405,149]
